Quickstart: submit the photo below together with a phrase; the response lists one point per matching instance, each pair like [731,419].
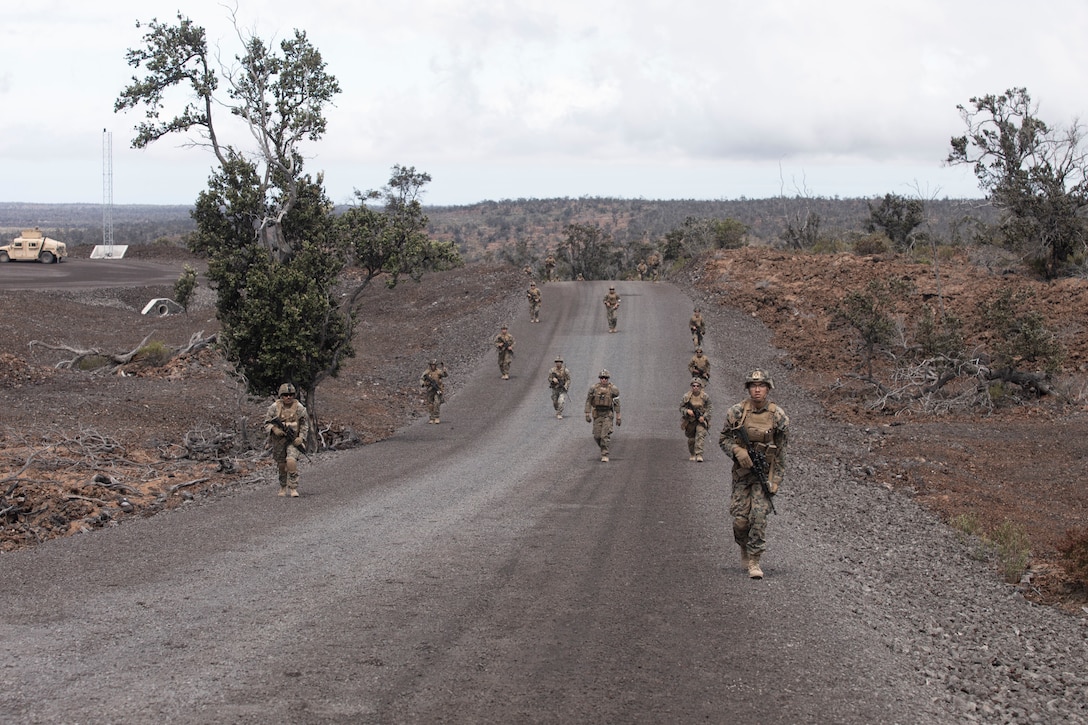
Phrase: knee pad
[291,466]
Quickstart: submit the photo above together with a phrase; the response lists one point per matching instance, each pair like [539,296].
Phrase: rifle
[695,415]
[434,385]
[286,428]
[759,464]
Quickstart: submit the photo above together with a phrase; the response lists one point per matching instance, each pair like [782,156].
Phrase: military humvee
[31,246]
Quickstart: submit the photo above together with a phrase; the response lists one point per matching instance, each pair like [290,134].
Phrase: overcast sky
[653,99]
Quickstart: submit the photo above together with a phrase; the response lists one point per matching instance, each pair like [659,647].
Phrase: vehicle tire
[47,258]
[4,257]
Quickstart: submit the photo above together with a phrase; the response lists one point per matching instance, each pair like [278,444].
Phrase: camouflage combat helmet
[699,349]
[758,376]
[604,374]
[697,381]
[434,361]
[558,358]
[287,389]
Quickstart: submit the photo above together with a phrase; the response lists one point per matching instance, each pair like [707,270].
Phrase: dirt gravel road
[491,570]
[488,569]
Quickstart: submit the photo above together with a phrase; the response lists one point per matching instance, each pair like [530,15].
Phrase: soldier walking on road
[602,404]
[288,428]
[431,388]
[695,409]
[504,343]
[559,382]
[534,297]
[699,365]
[549,267]
[755,436]
[611,307]
[654,262]
[697,325]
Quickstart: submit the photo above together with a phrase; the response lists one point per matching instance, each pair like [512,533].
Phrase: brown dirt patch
[1022,462]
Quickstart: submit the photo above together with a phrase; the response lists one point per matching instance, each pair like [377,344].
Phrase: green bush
[875,243]
[91,362]
[155,353]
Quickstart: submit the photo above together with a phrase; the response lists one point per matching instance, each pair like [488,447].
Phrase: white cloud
[516,98]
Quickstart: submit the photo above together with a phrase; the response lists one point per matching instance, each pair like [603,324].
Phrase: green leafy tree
[590,251]
[1038,176]
[1021,337]
[393,242]
[698,234]
[870,313]
[184,287]
[275,249]
[897,217]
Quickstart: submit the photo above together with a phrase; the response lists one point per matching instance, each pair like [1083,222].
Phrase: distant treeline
[487,227]
[78,224]
[541,223]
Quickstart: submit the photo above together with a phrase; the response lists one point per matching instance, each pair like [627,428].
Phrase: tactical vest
[290,415]
[602,396]
[698,403]
[759,424]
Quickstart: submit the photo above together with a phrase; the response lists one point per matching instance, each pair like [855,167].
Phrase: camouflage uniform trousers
[613,316]
[286,456]
[433,400]
[602,428]
[749,508]
[559,399]
[505,358]
[696,439]
[534,311]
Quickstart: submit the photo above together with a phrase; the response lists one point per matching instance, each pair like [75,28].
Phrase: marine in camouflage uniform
[699,365]
[695,410]
[611,307]
[642,268]
[288,428]
[549,267]
[431,388]
[697,325]
[767,426]
[559,382]
[602,405]
[533,295]
[504,343]
[654,262]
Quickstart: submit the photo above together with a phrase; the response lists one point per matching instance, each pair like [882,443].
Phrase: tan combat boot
[754,572]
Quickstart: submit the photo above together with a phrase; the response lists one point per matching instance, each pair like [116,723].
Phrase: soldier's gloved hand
[743,459]
[277,431]
[589,418]
[297,443]
[619,421]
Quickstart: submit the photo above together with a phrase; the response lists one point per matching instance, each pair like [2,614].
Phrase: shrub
[155,353]
[875,243]
[92,362]
[1013,550]
[184,287]
[1074,549]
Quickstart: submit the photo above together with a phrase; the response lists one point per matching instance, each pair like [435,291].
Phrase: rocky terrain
[81,450]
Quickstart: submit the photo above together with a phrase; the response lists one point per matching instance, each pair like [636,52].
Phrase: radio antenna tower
[107,190]
[106,249]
